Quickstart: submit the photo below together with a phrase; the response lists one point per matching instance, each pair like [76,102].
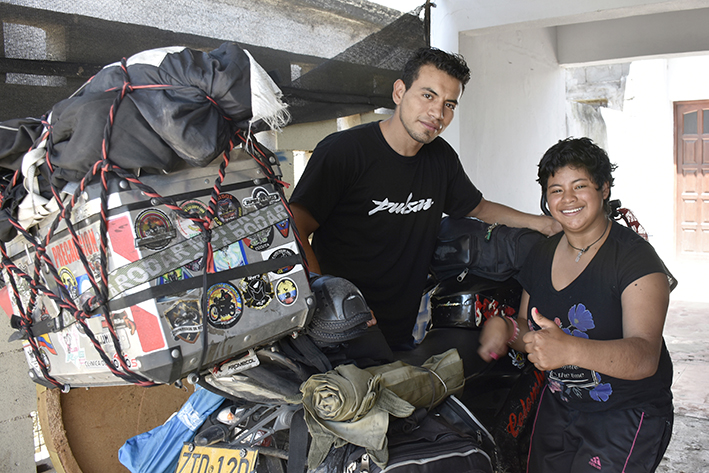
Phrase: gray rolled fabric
[352,405]
[427,385]
[349,405]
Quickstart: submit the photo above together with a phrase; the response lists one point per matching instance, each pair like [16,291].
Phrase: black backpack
[425,442]
[468,245]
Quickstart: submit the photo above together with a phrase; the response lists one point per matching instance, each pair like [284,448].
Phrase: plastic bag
[158,450]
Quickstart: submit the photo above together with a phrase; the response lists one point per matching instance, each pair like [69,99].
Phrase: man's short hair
[450,63]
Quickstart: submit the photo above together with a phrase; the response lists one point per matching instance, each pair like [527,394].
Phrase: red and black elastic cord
[101,169]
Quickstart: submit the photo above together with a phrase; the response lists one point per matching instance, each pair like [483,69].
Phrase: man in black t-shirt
[373,196]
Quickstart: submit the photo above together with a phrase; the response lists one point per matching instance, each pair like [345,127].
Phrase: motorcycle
[254,428]
[260,428]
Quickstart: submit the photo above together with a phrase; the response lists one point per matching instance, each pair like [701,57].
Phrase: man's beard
[420,137]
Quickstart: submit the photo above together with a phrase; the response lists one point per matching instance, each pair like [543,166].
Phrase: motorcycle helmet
[341,313]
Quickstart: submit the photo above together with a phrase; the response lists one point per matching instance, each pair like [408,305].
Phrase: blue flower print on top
[571,382]
[581,320]
[602,392]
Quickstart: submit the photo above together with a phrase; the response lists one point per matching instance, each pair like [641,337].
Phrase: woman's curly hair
[578,153]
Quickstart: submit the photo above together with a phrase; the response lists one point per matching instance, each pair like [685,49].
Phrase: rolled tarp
[352,405]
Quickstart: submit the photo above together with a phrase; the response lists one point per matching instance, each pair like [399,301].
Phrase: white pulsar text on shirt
[401,207]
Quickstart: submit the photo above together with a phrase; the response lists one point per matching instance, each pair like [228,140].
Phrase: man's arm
[492,212]
[306,225]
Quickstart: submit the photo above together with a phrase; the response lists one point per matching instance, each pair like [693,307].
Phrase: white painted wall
[512,111]
[453,16]
[592,30]
[641,142]
[688,78]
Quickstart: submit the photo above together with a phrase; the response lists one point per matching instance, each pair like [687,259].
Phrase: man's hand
[546,348]
[549,226]
[491,212]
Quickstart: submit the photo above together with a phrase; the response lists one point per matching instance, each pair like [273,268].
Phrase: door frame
[702,165]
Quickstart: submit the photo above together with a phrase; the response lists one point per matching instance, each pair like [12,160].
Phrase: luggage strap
[312,353]
[298,443]
[178,255]
[59,323]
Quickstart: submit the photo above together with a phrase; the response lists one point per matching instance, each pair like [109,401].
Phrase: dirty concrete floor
[687,338]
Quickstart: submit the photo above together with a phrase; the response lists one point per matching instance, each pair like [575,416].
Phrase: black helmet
[341,312]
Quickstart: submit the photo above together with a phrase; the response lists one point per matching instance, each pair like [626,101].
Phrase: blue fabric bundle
[158,450]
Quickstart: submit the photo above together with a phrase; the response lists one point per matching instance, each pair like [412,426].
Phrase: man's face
[428,106]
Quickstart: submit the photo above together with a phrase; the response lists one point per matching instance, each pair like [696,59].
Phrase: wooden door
[692,158]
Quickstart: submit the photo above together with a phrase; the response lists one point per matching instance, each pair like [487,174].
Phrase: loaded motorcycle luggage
[256,287]
[426,442]
[503,394]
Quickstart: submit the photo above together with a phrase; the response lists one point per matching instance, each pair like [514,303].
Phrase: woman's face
[574,200]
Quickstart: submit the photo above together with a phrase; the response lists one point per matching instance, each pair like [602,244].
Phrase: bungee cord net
[98,304]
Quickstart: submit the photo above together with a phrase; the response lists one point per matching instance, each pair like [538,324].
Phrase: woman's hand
[493,339]
[546,348]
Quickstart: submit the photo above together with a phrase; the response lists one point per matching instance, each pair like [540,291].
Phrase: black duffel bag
[425,442]
[468,245]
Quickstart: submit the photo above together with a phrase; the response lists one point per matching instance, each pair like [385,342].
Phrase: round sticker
[224,305]
[260,198]
[228,209]
[286,291]
[282,253]
[187,227]
[154,229]
[257,291]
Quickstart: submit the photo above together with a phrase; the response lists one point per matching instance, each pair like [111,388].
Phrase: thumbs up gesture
[547,348]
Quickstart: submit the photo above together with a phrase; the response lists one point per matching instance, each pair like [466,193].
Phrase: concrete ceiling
[592,30]
[332,58]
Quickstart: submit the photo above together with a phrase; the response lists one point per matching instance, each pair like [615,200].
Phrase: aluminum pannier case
[256,289]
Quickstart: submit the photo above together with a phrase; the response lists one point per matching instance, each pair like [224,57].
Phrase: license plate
[216,460]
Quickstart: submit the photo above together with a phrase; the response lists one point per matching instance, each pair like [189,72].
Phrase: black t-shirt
[590,307]
[379,214]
